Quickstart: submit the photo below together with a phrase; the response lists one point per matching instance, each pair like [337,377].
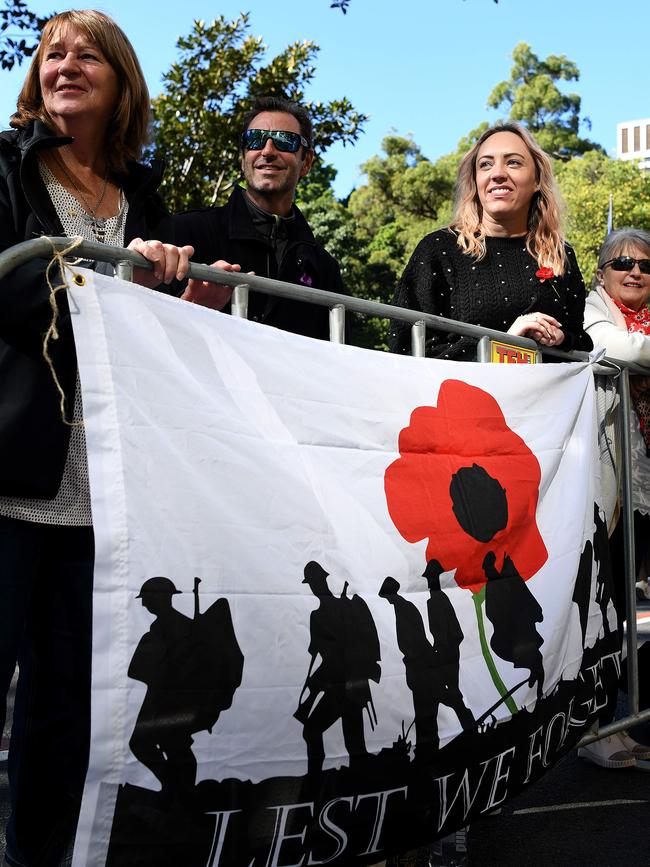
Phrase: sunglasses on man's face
[288,142]
[627,263]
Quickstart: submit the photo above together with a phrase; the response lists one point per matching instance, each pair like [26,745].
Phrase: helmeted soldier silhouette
[423,677]
[344,638]
[447,638]
[192,668]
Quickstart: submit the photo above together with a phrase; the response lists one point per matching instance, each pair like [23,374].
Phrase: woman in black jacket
[68,167]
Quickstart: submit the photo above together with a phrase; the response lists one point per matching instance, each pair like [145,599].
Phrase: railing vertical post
[484,350]
[239,301]
[124,270]
[418,336]
[627,508]
[337,323]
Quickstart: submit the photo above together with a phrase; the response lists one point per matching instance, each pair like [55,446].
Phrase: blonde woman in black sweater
[503,262]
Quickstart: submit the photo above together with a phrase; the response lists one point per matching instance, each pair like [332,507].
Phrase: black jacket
[229,233]
[33,438]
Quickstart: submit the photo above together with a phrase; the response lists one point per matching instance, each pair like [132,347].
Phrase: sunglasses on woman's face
[627,263]
[288,142]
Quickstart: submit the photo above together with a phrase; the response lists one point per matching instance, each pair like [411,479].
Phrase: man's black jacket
[229,233]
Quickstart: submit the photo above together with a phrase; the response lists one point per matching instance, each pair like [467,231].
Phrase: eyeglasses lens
[627,263]
[285,141]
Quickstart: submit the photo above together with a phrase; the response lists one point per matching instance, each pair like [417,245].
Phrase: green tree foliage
[586,183]
[17,46]
[335,226]
[405,196]
[532,96]
[197,118]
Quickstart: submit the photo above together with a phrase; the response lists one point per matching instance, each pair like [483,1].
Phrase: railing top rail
[43,248]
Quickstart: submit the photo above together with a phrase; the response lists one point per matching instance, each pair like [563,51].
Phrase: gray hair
[620,240]
[617,242]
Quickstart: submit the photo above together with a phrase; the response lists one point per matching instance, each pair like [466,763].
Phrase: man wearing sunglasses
[260,228]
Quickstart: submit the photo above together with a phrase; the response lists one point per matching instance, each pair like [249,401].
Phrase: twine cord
[52,333]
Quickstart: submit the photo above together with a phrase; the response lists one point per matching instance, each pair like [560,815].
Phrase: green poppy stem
[487,656]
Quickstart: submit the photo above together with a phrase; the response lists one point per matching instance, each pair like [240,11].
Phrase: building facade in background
[633,141]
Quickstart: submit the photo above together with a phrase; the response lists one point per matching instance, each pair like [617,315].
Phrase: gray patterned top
[71,506]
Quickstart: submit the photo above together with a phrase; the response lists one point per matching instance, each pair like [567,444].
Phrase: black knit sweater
[492,292]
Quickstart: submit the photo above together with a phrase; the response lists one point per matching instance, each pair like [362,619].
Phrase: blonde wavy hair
[544,240]
[128,128]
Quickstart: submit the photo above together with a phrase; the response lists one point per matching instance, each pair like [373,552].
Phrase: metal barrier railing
[126,260]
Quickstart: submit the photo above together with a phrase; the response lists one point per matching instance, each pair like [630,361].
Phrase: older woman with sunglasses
[617,318]
[616,311]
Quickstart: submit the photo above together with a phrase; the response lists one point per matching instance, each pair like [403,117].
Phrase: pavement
[577,815]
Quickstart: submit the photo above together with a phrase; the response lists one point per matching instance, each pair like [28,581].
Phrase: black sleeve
[420,287]
[198,228]
[335,282]
[575,336]
[25,311]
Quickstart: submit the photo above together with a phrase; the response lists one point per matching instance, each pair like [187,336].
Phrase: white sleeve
[618,343]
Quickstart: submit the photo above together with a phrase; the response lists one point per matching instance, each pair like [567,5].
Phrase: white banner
[344,601]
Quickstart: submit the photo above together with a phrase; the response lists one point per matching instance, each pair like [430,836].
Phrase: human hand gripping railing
[125,260]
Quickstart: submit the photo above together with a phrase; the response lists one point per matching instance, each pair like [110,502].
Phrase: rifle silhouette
[306,705]
[501,701]
[197,612]
[306,683]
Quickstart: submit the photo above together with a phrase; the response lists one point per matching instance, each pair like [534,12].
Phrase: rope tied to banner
[52,333]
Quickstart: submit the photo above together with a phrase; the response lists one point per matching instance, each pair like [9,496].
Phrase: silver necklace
[97,224]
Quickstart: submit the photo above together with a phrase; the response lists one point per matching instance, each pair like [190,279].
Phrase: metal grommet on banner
[79,280]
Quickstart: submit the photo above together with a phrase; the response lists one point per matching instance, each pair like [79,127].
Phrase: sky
[424,67]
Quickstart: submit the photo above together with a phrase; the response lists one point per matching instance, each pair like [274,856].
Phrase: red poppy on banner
[442,487]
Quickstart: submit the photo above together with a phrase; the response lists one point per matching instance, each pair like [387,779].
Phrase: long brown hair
[544,240]
[128,128]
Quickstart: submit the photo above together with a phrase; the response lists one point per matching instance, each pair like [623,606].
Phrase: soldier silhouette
[447,637]
[582,588]
[514,611]
[480,505]
[192,668]
[604,577]
[423,676]
[344,639]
